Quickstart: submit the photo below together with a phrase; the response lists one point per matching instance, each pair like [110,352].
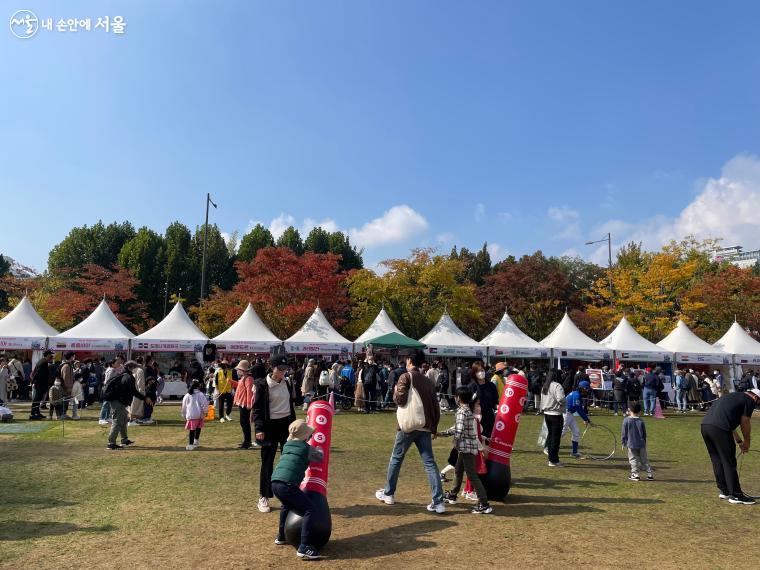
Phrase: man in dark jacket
[119,392]
[393,377]
[488,396]
[40,384]
[422,438]
[371,382]
[273,411]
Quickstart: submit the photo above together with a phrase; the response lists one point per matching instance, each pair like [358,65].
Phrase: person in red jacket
[244,400]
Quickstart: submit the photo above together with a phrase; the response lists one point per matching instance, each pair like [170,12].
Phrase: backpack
[112,388]
[682,383]
[324,378]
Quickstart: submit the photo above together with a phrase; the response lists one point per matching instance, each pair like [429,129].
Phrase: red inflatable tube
[319,416]
[508,418]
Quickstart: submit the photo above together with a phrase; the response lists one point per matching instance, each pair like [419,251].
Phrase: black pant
[370,397]
[293,499]
[275,433]
[193,435]
[245,425]
[722,449]
[38,394]
[225,402]
[554,426]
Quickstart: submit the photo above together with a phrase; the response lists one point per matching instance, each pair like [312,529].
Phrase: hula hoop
[741,464]
[599,456]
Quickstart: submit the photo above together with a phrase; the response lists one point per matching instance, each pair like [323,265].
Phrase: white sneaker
[546,451]
[148,422]
[558,464]
[722,496]
[440,508]
[264,505]
[103,422]
[197,443]
[222,420]
[471,496]
[387,499]
[133,423]
[189,447]
[228,418]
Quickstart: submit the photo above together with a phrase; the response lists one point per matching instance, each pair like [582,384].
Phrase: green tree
[291,239]
[99,244]
[340,244]
[220,271]
[232,243]
[178,272]
[318,241]
[258,238]
[5,269]
[630,256]
[5,266]
[145,257]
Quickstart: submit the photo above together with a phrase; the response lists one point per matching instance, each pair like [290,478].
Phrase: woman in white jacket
[194,410]
[553,404]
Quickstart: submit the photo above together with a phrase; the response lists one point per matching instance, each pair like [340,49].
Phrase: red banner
[508,418]
[319,417]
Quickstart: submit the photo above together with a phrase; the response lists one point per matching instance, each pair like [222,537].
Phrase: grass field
[68,502]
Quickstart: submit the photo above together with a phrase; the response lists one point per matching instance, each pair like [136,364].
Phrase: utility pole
[166,295]
[205,245]
[608,239]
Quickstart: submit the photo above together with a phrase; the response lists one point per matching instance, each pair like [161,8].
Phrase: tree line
[142,273]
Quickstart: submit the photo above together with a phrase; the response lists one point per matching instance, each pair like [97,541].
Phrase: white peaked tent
[738,342]
[317,336]
[24,329]
[380,326]
[630,345]
[447,339]
[176,333]
[508,341]
[689,348]
[101,331]
[247,334]
[567,341]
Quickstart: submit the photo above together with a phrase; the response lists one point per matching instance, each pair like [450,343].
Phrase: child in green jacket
[286,481]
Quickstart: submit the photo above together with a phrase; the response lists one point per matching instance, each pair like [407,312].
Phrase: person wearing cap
[575,405]
[718,429]
[40,378]
[120,397]
[286,481]
[498,377]
[273,412]
[244,399]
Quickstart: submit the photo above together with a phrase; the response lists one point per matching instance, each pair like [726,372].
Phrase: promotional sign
[644,356]
[520,352]
[702,358]
[319,416]
[584,354]
[452,351]
[168,346]
[243,347]
[596,377]
[22,343]
[87,344]
[313,348]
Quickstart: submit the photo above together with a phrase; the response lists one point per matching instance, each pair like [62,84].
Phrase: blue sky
[529,125]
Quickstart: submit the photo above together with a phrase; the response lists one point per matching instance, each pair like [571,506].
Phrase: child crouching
[466,441]
[286,481]
[194,410]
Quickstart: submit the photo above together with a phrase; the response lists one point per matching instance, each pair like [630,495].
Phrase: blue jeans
[105,411]
[424,443]
[650,395]
[682,399]
[293,499]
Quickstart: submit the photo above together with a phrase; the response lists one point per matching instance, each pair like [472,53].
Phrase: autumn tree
[258,238]
[415,291]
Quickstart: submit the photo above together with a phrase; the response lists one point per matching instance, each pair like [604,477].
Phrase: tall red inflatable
[498,478]
[314,485]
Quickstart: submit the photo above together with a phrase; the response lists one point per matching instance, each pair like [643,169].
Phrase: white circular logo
[522,401]
[499,426]
[517,419]
[320,437]
[510,392]
[24,24]
[321,420]
[504,409]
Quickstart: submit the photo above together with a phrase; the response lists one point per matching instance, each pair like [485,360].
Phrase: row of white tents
[101,331]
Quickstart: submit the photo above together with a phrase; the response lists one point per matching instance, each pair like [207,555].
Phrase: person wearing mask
[552,406]
[40,378]
[273,411]
[486,395]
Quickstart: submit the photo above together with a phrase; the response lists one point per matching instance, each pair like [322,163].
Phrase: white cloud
[497,252]
[327,224]
[562,214]
[281,223]
[480,212]
[445,238]
[395,226]
[504,217]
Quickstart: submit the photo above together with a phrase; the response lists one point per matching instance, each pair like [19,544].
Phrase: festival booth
[24,329]
[744,350]
[101,331]
[446,339]
[382,325]
[508,341]
[318,337]
[567,342]
[627,345]
[176,334]
[248,335]
[688,348]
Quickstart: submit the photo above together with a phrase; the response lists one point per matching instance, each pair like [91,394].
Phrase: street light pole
[166,295]
[608,239]
[205,245]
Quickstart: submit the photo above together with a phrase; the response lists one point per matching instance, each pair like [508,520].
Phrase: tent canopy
[393,340]
[317,336]
[507,340]
[247,334]
[176,333]
[447,339]
[689,348]
[568,341]
[380,326]
[101,330]
[630,345]
[24,329]
[738,342]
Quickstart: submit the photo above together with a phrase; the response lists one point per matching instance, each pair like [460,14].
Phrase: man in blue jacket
[575,406]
